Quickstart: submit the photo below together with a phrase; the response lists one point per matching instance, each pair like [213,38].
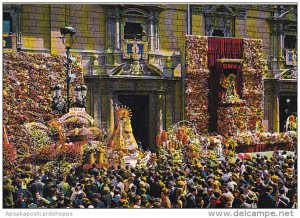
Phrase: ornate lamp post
[58,102]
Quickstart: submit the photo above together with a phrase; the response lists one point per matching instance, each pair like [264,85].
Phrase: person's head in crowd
[226,200]
[38,195]
[137,200]
[269,189]
[105,191]
[86,202]
[200,202]
[243,198]
[156,204]
[217,194]
[21,197]
[165,192]
[78,187]
[294,198]
[178,204]
[276,196]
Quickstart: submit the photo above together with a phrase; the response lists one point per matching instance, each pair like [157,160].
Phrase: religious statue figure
[231,91]
[102,158]
[136,68]
[229,84]
[122,137]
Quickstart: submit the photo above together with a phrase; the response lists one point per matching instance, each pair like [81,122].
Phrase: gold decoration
[122,137]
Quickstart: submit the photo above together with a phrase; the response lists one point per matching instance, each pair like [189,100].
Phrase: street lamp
[58,102]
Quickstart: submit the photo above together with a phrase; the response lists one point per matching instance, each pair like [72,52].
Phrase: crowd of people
[260,182]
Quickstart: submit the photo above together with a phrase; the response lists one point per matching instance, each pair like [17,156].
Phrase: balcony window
[133,31]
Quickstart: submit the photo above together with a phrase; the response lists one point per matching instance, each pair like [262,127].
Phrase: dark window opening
[7,22]
[7,30]
[218,33]
[290,42]
[133,31]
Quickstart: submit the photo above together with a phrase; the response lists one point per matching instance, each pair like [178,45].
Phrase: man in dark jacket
[97,203]
[106,198]
[94,171]
[37,186]
[191,198]
[266,199]
[278,203]
[24,191]
[47,188]
[70,178]
[8,190]
[293,203]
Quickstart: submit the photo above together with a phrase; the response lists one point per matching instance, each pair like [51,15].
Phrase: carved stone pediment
[135,68]
[219,20]
[222,10]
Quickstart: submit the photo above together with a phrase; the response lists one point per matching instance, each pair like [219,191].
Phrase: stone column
[153,36]
[154,120]
[151,31]
[280,45]
[276,121]
[109,18]
[111,117]
[107,110]
[161,94]
[97,108]
[117,19]
[156,29]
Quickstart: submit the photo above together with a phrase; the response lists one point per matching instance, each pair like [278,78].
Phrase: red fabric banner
[229,48]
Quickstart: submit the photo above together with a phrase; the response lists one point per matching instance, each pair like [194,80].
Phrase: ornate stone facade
[106,35]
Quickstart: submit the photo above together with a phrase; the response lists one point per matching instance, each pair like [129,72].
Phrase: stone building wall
[35,27]
[197,24]
[173,27]
[41,26]
[258,27]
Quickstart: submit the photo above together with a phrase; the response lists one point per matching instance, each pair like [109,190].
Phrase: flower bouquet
[44,155]
[70,152]
[9,156]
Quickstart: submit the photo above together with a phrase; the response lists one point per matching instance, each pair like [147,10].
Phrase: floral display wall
[27,79]
[232,118]
[253,89]
[196,82]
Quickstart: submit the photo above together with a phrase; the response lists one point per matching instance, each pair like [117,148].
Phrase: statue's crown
[122,112]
